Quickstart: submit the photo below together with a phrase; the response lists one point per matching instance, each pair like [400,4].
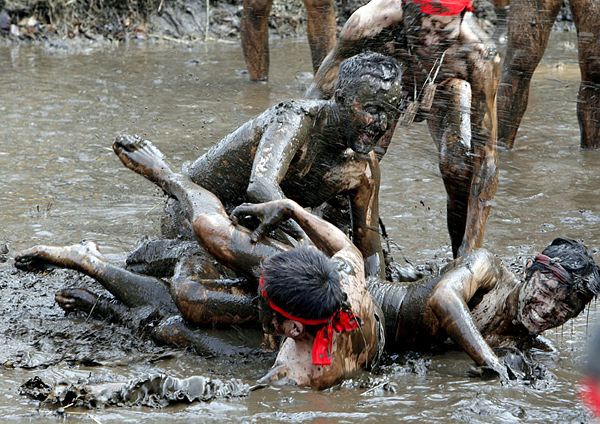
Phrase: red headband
[556,269]
[444,7]
[340,321]
[590,394]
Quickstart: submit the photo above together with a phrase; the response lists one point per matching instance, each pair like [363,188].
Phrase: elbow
[438,301]
[260,191]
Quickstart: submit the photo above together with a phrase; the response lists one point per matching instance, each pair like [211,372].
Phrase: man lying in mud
[451,73]
[481,305]
[316,296]
[310,151]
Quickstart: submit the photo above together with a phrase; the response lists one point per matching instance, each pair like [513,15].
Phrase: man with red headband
[480,304]
[316,296]
[450,80]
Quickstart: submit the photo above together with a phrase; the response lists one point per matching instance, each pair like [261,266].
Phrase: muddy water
[59,112]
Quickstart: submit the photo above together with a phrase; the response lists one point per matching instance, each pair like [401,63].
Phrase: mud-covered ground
[38,335]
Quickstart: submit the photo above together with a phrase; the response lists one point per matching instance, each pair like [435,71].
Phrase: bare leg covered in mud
[193,288]
[132,289]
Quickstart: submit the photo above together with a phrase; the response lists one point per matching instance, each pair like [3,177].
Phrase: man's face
[544,303]
[371,112]
[274,323]
[288,328]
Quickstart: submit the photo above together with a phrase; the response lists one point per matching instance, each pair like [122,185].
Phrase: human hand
[271,215]
[507,363]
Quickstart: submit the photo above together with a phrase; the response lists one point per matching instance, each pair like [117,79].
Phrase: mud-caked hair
[381,68]
[303,282]
[576,259]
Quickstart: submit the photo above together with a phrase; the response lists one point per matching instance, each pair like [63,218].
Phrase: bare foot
[45,257]
[76,299]
[141,157]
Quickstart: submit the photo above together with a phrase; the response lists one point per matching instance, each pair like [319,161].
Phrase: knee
[523,56]
[193,301]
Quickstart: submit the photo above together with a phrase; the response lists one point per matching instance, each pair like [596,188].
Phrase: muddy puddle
[60,110]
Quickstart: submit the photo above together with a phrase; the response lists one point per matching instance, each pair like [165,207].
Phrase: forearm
[326,236]
[455,319]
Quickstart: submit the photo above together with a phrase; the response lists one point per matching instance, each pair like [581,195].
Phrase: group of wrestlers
[287,205]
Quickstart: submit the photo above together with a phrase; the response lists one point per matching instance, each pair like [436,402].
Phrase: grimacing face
[544,303]
[274,323]
[371,112]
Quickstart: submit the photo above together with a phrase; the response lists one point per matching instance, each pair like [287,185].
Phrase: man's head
[303,283]
[559,283]
[301,296]
[433,25]
[369,92]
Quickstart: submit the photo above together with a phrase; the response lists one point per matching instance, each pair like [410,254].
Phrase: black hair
[303,282]
[378,66]
[575,258]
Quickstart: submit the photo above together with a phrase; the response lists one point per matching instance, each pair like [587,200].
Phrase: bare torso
[318,170]
[412,324]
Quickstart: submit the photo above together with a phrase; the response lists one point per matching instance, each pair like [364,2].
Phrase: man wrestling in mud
[310,151]
[480,304]
[451,76]
[315,296]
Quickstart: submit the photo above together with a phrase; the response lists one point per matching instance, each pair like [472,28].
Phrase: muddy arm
[476,270]
[463,125]
[277,147]
[364,204]
[361,32]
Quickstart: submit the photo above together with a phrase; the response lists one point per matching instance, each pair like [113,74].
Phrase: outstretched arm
[475,271]
[362,31]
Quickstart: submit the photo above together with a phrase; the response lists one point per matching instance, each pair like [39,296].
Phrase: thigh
[586,14]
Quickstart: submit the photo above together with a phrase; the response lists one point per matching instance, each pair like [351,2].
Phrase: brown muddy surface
[61,108]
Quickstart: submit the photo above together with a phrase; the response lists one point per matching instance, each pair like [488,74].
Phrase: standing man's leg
[255,37]
[529,25]
[501,7]
[322,29]
[587,18]
[464,130]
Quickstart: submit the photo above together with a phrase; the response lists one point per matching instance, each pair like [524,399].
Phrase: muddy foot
[76,299]
[141,157]
[44,257]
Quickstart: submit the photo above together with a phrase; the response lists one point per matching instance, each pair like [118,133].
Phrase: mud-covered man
[451,77]
[311,151]
[315,296]
[480,304]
